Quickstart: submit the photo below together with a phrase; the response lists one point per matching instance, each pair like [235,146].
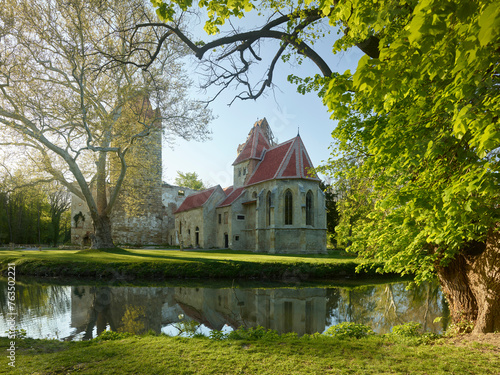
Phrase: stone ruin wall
[152,222]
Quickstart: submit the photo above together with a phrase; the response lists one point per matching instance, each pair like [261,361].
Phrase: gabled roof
[228,190]
[195,200]
[256,143]
[233,195]
[286,160]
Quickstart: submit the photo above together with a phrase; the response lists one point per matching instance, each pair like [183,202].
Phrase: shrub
[112,335]
[348,330]
[256,333]
[217,335]
[410,329]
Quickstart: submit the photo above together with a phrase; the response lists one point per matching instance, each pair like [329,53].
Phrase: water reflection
[82,312]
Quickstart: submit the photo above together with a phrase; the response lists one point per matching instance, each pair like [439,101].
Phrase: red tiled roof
[291,168]
[286,160]
[228,190]
[195,200]
[254,146]
[232,197]
[307,166]
[270,164]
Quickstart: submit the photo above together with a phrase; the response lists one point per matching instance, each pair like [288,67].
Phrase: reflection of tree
[332,304]
[133,321]
[391,303]
[35,299]
[99,313]
[384,306]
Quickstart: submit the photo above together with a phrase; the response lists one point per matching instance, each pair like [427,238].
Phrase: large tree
[70,109]
[418,134]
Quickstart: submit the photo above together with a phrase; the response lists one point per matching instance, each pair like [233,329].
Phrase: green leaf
[489,23]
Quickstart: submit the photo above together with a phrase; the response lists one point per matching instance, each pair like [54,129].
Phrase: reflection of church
[137,310]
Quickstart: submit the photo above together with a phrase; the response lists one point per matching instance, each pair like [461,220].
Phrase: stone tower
[139,213]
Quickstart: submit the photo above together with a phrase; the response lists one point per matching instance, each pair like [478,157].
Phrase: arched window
[288,208]
[268,208]
[309,208]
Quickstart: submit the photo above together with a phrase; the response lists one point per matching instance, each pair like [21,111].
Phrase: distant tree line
[36,215]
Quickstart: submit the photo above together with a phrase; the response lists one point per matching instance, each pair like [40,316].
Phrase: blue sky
[284,108]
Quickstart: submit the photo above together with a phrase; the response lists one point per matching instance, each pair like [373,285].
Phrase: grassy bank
[317,354]
[148,264]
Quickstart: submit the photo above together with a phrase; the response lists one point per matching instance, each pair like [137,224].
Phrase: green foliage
[332,213]
[189,180]
[112,335]
[217,335]
[29,214]
[349,330]
[418,132]
[408,330]
[417,144]
[252,333]
[460,327]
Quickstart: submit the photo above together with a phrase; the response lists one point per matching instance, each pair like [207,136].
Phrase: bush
[349,330]
[410,329]
[217,335]
[256,333]
[112,335]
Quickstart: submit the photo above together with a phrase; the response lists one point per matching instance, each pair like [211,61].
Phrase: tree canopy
[69,108]
[417,141]
[189,180]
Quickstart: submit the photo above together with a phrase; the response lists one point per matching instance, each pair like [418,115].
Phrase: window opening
[309,208]
[288,208]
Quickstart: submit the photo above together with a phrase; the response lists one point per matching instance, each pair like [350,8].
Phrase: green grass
[139,255]
[167,264]
[316,354]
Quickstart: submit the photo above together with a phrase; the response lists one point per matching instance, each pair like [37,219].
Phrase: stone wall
[197,227]
[81,222]
[149,222]
[248,227]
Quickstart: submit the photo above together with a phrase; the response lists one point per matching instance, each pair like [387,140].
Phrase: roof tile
[235,194]
[195,200]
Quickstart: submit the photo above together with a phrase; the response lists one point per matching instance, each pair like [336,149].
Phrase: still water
[82,312]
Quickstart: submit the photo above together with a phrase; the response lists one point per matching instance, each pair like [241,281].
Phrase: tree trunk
[471,283]
[102,233]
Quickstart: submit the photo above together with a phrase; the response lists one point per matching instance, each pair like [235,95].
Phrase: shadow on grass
[121,251]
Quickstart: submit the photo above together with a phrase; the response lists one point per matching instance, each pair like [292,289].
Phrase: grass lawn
[160,255]
[164,264]
[282,355]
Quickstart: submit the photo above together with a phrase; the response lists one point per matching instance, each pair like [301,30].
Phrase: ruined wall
[81,222]
[151,222]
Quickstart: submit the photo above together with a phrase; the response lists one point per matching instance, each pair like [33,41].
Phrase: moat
[81,312]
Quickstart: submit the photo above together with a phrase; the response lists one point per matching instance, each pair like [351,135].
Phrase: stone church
[275,204]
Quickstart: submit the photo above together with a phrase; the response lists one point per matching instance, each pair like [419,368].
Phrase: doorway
[226,240]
